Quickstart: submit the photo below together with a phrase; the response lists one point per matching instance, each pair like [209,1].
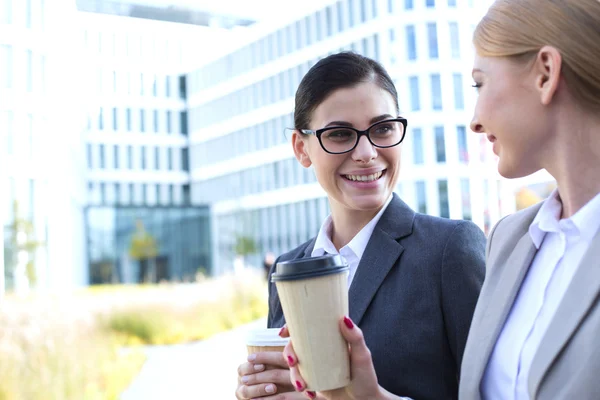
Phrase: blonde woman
[535,330]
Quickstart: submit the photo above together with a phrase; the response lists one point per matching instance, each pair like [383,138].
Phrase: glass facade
[141,244]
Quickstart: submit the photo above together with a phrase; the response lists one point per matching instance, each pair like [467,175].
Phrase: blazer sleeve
[273,298]
[463,271]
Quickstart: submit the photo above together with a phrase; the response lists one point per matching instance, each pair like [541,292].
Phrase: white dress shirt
[561,245]
[353,251]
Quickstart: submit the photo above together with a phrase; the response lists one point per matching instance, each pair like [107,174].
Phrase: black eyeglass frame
[359,133]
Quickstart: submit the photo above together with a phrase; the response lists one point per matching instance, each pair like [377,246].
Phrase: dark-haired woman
[414,279]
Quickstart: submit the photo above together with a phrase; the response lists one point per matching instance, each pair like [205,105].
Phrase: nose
[476,126]
[364,151]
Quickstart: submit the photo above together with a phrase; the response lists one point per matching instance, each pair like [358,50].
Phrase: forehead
[355,104]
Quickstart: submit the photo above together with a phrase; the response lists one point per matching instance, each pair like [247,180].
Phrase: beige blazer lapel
[494,316]
[579,297]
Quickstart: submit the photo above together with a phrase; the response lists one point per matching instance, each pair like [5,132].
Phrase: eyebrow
[346,123]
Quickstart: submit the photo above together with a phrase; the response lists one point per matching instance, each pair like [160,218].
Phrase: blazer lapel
[309,248]
[380,256]
[502,299]
[579,297]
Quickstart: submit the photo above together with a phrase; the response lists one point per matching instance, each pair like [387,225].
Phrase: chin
[510,171]
[369,202]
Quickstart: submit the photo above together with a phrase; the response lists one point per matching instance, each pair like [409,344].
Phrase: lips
[491,138]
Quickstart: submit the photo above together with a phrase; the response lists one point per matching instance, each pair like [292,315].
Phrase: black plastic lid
[306,268]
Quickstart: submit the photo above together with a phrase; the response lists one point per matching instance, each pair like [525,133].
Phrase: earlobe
[549,63]
[300,150]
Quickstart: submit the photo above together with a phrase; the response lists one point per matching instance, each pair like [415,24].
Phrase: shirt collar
[584,223]
[357,245]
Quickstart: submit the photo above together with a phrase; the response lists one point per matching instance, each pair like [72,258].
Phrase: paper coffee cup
[314,297]
[259,340]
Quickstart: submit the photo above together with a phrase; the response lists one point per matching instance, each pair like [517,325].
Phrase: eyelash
[476,85]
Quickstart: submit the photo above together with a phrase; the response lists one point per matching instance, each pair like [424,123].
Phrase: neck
[575,164]
[347,223]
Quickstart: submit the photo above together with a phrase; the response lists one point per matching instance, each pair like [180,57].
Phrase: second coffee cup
[314,297]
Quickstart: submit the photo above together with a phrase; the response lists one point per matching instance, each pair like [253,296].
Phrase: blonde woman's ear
[300,146]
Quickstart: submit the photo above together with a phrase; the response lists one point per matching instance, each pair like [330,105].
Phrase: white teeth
[365,178]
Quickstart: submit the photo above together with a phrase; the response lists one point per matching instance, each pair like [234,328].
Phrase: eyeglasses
[343,139]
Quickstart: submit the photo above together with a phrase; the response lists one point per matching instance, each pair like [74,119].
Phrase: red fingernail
[299,386]
[290,361]
[310,394]
[348,323]
[281,331]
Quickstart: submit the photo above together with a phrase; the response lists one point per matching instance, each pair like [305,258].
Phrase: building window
[168,121]
[167,86]
[130,157]
[117,193]
[183,122]
[411,42]
[172,194]
[440,144]
[89,156]
[392,35]
[459,98]
[170,159]
[433,40]
[417,140]
[436,92]
[115,119]
[443,195]
[155,87]
[158,196]
[465,189]
[142,84]
[128,117]
[421,197]
[102,193]
[6,12]
[185,165]
[116,156]
[157,158]
[6,67]
[102,159]
[454,41]
[185,194]
[182,87]
[29,70]
[144,193]
[351,16]
[408,4]
[143,157]
[461,138]
[131,193]
[451,3]
[415,99]
[28,16]
[142,121]
[430,3]
[155,121]
[101,119]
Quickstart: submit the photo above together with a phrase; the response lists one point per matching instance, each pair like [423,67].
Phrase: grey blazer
[567,363]
[413,296]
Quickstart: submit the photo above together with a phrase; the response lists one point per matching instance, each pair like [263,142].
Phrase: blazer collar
[505,286]
[379,257]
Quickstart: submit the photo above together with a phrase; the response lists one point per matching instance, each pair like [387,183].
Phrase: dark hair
[337,71]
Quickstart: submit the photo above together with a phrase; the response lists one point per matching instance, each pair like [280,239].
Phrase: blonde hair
[520,28]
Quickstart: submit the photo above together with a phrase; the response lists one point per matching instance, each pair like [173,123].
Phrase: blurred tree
[526,198]
[143,247]
[244,246]
[20,243]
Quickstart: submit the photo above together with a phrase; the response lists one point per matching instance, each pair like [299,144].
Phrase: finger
[286,396]
[359,353]
[295,376]
[273,358]
[244,392]
[280,377]
[250,368]
[284,332]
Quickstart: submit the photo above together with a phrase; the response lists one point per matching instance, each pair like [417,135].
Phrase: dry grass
[68,347]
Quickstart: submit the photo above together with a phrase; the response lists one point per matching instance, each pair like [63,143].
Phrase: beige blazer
[567,363]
